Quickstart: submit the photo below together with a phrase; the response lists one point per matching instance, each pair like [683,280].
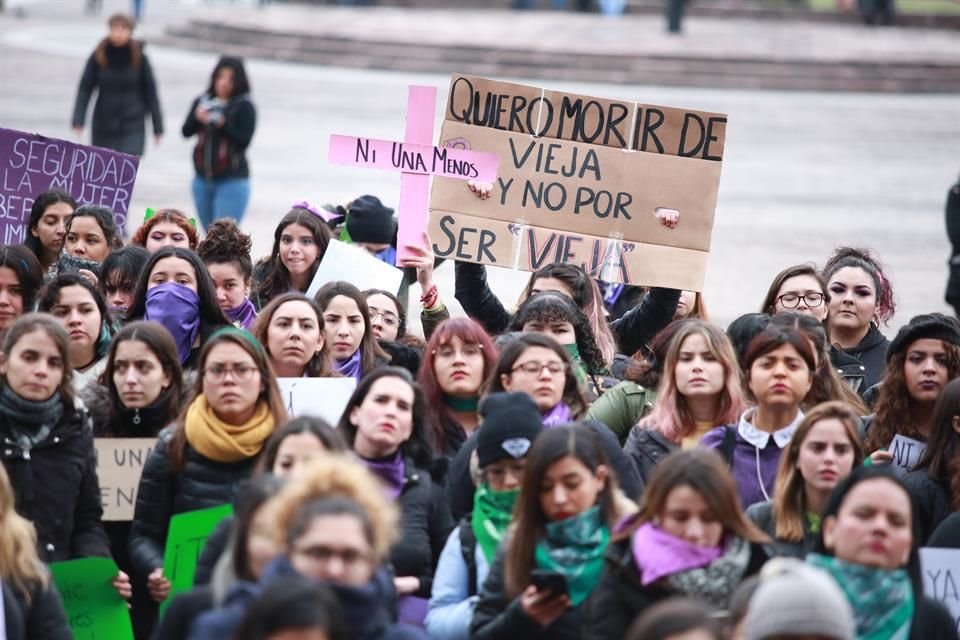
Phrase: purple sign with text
[30,164]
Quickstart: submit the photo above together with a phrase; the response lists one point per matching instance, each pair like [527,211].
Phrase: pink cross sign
[417,160]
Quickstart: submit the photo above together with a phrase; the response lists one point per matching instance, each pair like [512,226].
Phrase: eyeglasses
[241,373]
[351,558]
[448,352]
[792,300]
[535,367]
[390,319]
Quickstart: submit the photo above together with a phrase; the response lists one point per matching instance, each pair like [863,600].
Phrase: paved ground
[803,171]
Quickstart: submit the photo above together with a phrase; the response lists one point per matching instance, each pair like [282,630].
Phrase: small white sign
[906,452]
[357,266]
[321,397]
[941,577]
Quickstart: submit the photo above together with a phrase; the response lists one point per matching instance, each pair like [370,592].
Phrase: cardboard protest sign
[906,451]
[591,169]
[941,578]
[187,534]
[119,465]
[94,608]
[321,397]
[30,164]
[342,261]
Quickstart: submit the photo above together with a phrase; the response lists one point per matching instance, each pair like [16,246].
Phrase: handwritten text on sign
[119,465]
[906,452]
[320,397]
[30,164]
[94,608]
[941,578]
[413,158]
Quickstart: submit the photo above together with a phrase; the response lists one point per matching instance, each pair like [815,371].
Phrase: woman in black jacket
[48,448]
[31,606]
[203,459]
[127,91]
[690,539]
[223,119]
[383,423]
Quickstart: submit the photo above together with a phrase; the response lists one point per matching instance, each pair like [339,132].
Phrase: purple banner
[31,164]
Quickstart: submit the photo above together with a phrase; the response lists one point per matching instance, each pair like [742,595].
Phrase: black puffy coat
[425,523]
[164,492]
[933,500]
[127,93]
[621,596]
[644,449]
[240,120]
[42,618]
[633,331]
[56,488]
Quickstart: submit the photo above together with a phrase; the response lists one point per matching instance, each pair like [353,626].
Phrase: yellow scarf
[222,442]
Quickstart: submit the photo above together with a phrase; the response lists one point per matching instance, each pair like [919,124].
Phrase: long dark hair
[529,521]
[330,438]
[122,268]
[211,316]
[50,297]
[274,277]
[371,348]
[104,218]
[572,394]
[254,495]
[550,306]
[941,459]
[40,204]
[160,343]
[25,264]
[241,84]
[419,447]
[843,488]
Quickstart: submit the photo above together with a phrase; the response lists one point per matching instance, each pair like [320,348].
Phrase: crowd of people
[596,461]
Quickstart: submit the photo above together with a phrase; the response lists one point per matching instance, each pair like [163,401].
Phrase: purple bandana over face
[243,316]
[560,414]
[351,366]
[177,308]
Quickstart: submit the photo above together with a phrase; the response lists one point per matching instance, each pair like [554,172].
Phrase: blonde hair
[19,563]
[336,474]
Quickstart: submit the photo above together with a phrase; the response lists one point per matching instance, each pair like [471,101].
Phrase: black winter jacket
[620,596]
[240,120]
[644,449]
[497,617]
[164,492]
[43,618]
[872,354]
[425,523]
[633,331]
[127,93]
[932,620]
[56,488]
[933,500]
[761,513]
[947,533]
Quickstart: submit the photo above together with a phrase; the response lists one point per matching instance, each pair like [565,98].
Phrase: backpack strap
[468,548]
[728,444]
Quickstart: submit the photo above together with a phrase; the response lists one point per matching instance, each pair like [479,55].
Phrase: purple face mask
[177,308]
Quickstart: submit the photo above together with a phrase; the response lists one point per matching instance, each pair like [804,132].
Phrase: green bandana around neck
[575,547]
[813,522]
[492,512]
[882,599]
[578,369]
[461,405]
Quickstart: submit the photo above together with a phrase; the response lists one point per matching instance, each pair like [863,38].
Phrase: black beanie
[935,326]
[369,221]
[511,421]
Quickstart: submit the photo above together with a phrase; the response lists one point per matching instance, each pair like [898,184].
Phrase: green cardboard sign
[186,536]
[94,608]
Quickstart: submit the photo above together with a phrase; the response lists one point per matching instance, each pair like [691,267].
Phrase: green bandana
[813,522]
[882,599]
[575,548]
[578,369]
[492,511]
[461,405]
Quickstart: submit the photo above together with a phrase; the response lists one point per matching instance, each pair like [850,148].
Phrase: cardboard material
[186,535]
[906,451]
[413,158]
[30,164]
[342,261]
[119,465]
[567,171]
[321,397]
[94,608]
[941,577]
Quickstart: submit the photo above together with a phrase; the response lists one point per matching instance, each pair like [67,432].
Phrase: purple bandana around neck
[177,308]
[352,366]
[658,554]
[243,316]
[560,414]
[391,470]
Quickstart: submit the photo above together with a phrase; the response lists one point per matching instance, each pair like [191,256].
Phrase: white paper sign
[321,397]
[906,452]
[342,261]
[941,577]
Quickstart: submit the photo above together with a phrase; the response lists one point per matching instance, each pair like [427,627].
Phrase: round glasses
[792,300]
[534,367]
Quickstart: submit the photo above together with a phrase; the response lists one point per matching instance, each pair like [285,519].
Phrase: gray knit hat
[795,599]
